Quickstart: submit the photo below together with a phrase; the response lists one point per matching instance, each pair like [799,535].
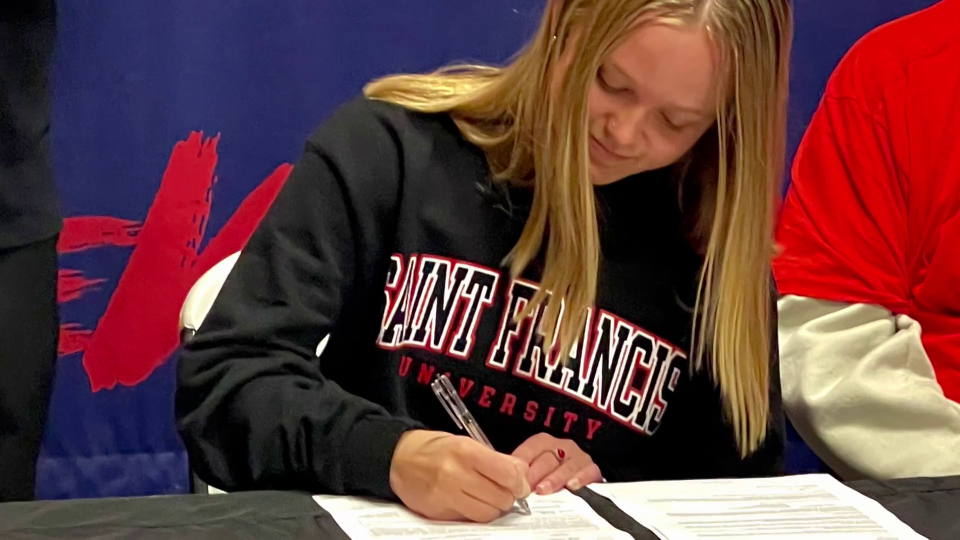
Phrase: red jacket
[873,213]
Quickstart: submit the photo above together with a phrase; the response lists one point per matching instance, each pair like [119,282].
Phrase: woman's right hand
[452,478]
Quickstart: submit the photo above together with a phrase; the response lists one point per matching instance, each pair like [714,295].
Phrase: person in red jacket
[869,273]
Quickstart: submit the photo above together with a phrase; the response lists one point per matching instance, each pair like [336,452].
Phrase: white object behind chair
[204,292]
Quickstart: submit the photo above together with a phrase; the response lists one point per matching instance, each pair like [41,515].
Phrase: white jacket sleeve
[859,388]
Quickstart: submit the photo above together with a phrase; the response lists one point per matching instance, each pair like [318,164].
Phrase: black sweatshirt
[389,237]
[28,202]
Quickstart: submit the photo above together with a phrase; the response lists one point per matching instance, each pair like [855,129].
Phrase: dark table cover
[930,505]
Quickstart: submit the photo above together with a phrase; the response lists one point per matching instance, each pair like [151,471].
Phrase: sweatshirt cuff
[368,453]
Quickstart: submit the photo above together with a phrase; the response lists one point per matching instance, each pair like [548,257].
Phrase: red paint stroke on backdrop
[139,329]
[73,339]
[71,285]
[241,225]
[85,232]
[125,348]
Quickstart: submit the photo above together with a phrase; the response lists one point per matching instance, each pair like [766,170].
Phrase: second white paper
[809,507]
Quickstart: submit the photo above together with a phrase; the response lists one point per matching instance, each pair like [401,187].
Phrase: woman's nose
[624,128]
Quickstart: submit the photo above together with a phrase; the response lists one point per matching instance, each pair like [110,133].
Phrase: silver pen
[464,420]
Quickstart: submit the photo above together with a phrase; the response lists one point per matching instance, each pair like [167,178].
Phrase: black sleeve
[252,406]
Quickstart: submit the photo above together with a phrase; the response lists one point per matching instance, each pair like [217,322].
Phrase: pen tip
[524,506]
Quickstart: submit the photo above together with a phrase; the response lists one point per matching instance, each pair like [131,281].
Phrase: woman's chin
[600,177]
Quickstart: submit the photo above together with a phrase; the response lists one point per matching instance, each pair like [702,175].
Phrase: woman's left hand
[556,464]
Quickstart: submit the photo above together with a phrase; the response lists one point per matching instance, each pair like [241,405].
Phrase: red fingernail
[561,454]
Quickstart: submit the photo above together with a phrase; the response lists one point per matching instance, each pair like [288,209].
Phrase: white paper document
[554,517]
[808,507]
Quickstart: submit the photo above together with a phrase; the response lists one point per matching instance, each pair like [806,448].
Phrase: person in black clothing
[29,226]
[580,239]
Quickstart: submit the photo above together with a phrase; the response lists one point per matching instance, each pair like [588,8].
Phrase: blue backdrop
[134,79]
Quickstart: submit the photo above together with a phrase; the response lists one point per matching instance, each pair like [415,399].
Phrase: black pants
[29,332]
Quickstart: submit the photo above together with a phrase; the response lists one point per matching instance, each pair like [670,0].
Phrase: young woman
[581,240]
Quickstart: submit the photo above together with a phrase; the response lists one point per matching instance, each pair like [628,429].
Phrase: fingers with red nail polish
[555,464]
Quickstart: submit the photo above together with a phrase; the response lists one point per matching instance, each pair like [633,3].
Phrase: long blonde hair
[535,136]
